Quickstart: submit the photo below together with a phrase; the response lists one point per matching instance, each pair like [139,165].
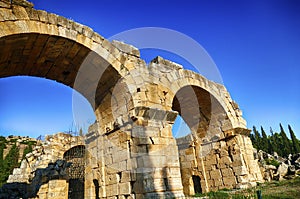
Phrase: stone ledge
[166,63]
[126,48]
[148,113]
[23,3]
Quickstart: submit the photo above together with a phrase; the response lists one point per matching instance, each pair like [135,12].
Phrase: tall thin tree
[264,140]
[285,145]
[295,141]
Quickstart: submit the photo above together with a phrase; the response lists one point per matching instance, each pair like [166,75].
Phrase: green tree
[285,143]
[27,150]
[256,139]
[295,141]
[252,138]
[9,163]
[264,140]
[277,144]
[270,146]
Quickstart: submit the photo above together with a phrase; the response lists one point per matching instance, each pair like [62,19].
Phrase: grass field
[287,189]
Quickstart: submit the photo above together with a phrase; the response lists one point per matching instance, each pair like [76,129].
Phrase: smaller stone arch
[202,112]
[76,171]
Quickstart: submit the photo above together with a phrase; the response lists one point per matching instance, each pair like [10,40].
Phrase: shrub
[273,162]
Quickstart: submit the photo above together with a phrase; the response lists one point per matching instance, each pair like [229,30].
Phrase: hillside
[12,150]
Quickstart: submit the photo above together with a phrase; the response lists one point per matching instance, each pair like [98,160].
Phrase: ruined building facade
[130,151]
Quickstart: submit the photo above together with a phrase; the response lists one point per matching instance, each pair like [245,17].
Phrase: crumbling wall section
[226,163]
[38,168]
[109,166]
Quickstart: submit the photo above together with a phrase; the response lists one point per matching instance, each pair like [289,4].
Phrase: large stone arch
[20,18]
[37,43]
[202,112]
[215,151]
[131,152]
[217,93]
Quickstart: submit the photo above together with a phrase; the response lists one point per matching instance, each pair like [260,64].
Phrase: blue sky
[255,45]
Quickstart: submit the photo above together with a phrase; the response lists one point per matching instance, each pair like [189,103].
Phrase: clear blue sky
[255,45]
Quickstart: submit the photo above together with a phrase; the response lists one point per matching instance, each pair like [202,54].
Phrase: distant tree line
[275,142]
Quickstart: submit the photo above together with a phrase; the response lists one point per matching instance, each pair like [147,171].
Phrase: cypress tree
[295,142]
[286,145]
[270,146]
[278,144]
[252,140]
[10,162]
[257,138]
[264,140]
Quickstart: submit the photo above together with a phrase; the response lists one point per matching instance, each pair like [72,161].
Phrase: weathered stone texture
[130,150]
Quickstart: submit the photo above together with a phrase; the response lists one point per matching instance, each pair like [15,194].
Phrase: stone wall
[141,163]
[38,171]
[130,151]
[220,164]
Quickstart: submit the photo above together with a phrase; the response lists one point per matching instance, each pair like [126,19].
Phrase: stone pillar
[157,169]
[94,173]
[245,168]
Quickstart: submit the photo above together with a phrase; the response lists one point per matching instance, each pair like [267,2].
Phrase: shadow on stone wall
[17,190]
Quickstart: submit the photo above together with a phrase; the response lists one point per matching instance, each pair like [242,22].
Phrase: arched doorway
[76,172]
[204,115]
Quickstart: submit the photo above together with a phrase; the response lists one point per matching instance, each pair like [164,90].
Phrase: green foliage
[264,140]
[27,150]
[295,142]
[2,139]
[212,194]
[256,138]
[287,189]
[275,142]
[13,140]
[29,142]
[9,163]
[272,162]
[286,147]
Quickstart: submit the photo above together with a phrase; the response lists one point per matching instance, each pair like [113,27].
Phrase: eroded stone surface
[130,150]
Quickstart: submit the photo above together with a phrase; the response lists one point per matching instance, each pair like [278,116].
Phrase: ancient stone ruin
[130,151]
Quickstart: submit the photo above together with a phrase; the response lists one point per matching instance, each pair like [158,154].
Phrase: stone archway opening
[205,116]
[81,68]
[65,61]
[200,110]
[34,106]
[76,172]
[180,128]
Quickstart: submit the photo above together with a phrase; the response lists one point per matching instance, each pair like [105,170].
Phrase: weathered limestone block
[58,189]
[240,171]
[227,172]
[125,188]
[215,174]
[112,190]
[129,49]
[229,182]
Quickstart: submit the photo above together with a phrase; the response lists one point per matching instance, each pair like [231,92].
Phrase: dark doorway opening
[197,184]
[96,184]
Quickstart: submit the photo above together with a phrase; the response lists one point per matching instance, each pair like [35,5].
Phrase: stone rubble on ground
[288,167]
